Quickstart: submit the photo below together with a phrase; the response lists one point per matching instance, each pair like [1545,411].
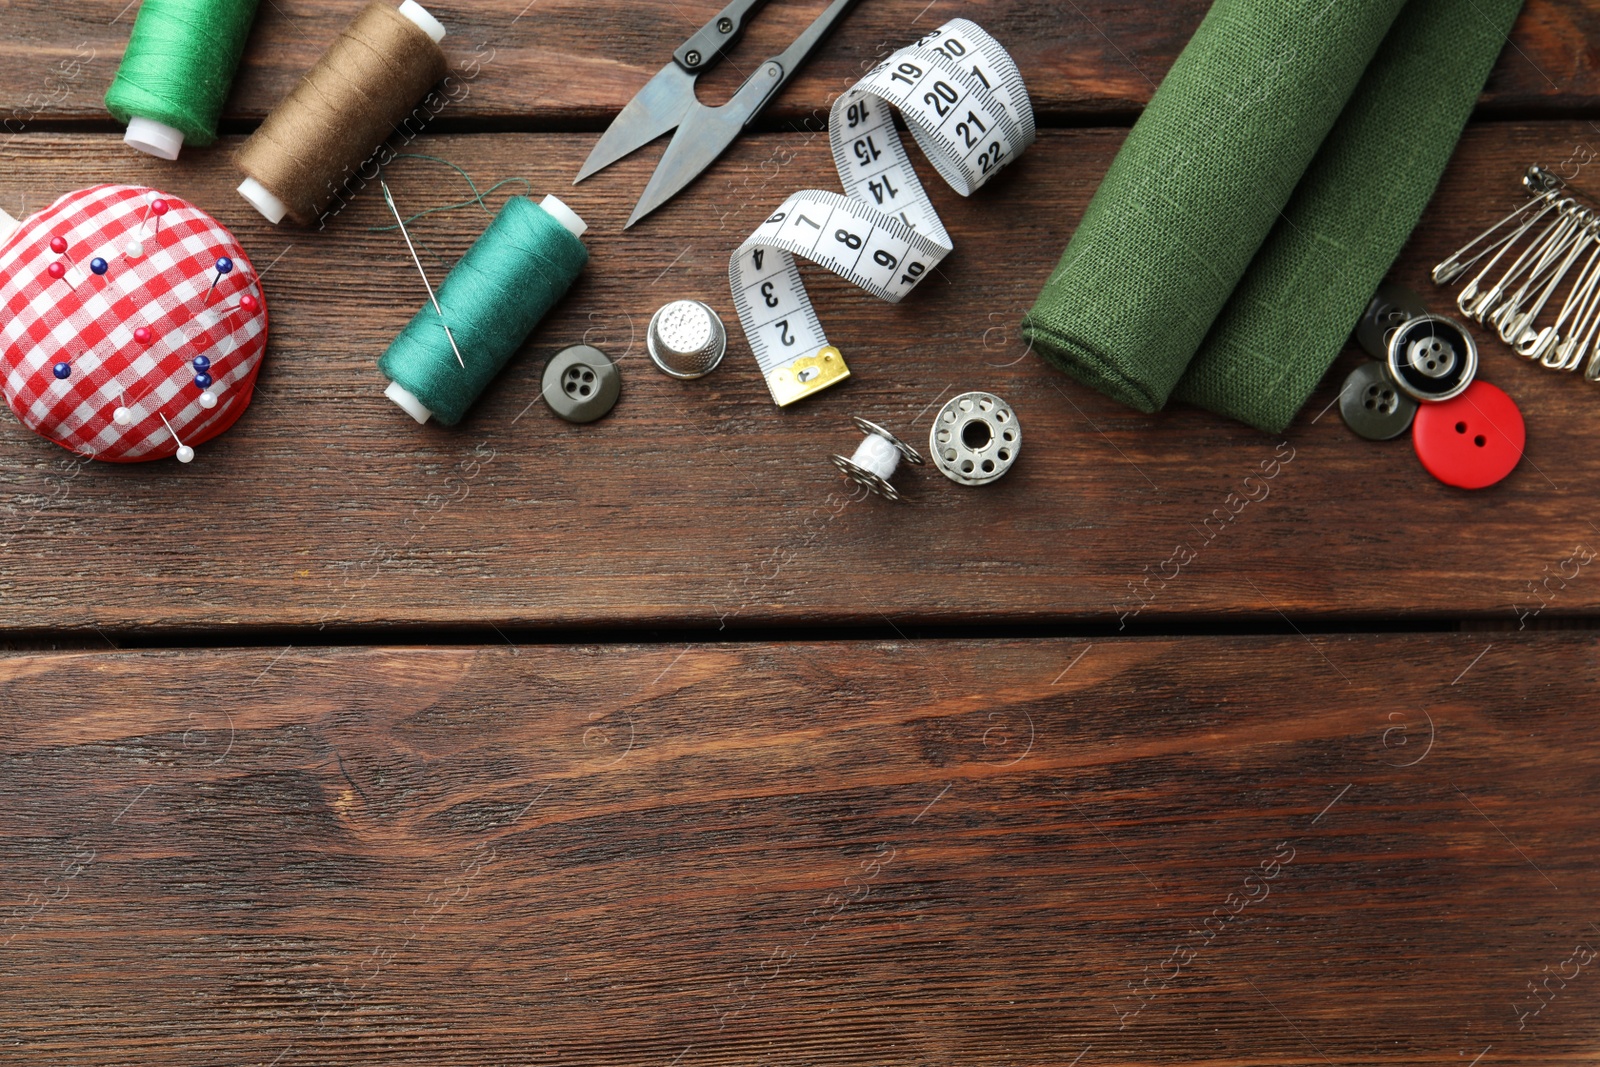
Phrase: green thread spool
[177,70]
[508,280]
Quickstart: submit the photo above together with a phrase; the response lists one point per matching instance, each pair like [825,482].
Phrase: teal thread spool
[508,280]
[177,70]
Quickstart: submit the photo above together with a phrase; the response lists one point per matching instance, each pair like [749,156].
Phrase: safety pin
[1570,352]
[1534,260]
[1546,345]
[1452,268]
[389,199]
[1468,297]
[1514,327]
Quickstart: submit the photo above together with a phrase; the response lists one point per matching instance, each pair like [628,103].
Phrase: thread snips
[668,102]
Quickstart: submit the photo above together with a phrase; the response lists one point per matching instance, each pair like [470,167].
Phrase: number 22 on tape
[963,100]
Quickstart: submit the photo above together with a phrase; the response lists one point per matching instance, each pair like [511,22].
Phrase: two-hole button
[1473,440]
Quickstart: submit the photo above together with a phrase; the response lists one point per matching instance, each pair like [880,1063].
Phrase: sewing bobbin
[876,459]
[975,438]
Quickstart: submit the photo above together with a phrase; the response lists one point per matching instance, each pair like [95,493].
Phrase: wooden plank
[1246,851]
[702,505]
[573,61]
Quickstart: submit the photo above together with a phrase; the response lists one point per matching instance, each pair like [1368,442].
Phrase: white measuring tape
[963,100]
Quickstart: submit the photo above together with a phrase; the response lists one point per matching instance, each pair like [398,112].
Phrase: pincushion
[134,324]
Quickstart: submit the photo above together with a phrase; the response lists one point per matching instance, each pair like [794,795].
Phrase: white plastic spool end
[153,138]
[8,226]
[428,24]
[270,206]
[565,215]
[408,402]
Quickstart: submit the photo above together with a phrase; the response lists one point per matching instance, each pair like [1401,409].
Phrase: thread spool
[876,459]
[508,280]
[177,70]
[360,91]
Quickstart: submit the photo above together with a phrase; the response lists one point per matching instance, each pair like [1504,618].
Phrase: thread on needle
[504,284]
[388,198]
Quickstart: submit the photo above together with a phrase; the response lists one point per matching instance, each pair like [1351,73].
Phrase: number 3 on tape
[963,100]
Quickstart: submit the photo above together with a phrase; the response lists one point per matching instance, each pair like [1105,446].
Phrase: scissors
[668,102]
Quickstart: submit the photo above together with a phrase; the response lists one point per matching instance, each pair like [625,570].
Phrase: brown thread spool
[342,111]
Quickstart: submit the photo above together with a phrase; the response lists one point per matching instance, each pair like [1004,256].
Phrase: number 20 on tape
[965,104]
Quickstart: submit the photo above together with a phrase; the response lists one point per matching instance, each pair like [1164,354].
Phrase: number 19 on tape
[964,102]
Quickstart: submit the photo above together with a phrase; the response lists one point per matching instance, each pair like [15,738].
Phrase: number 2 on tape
[964,102]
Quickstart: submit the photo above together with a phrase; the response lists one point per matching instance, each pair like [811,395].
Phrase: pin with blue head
[224,266]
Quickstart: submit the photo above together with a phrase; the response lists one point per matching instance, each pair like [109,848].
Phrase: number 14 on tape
[964,102]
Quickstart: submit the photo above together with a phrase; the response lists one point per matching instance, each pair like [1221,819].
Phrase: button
[1391,305]
[686,339]
[1373,406]
[581,384]
[1471,441]
[1432,357]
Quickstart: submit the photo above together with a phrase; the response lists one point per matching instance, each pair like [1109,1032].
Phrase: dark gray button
[1373,406]
[1432,358]
[1391,305]
[581,384]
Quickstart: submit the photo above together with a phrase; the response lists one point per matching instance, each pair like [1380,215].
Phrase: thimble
[686,339]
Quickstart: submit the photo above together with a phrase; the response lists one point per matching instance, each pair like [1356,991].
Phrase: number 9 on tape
[964,101]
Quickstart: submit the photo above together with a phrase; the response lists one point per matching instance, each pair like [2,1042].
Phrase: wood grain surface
[531,64]
[1342,850]
[700,504]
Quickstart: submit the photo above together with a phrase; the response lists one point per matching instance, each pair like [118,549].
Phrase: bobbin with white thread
[876,459]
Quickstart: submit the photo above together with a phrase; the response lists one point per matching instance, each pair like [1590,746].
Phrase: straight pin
[185,453]
[388,198]
[224,266]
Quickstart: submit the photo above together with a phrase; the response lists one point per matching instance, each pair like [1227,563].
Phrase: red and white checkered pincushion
[132,362]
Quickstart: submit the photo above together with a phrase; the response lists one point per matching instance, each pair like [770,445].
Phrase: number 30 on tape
[964,102]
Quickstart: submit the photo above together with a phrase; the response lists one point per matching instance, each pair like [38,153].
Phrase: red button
[1471,441]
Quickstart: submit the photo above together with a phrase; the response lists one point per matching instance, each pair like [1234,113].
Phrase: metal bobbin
[876,459]
[975,438]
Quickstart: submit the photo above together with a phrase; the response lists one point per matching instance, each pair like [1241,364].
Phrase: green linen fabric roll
[1358,203]
[1197,187]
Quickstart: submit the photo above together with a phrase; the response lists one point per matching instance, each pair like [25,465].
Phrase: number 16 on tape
[964,101]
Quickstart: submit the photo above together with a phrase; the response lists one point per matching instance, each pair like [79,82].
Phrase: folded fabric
[1358,203]
[1218,160]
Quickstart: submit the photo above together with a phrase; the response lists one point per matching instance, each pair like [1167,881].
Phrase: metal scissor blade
[660,106]
[703,135]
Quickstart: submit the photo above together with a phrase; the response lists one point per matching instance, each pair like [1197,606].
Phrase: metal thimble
[686,339]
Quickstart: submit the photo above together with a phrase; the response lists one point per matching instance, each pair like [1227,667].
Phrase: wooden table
[646,742]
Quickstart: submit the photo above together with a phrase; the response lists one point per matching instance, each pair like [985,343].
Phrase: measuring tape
[963,100]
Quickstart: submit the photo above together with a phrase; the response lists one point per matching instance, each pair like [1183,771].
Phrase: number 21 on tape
[964,101]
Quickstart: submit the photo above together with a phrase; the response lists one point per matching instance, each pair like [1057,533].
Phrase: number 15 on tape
[964,102]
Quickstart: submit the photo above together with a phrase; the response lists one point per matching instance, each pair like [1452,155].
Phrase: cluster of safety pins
[66,269]
[1513,303]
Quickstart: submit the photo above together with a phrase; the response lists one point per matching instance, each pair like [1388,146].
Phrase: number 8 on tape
[964,102]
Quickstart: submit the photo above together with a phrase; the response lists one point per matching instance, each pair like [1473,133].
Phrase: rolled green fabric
[1358,203]
[1197,187]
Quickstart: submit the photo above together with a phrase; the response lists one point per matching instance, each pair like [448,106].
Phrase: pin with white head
[388,198]
[157,208]
[185,453]
[876,459]
[123,416]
